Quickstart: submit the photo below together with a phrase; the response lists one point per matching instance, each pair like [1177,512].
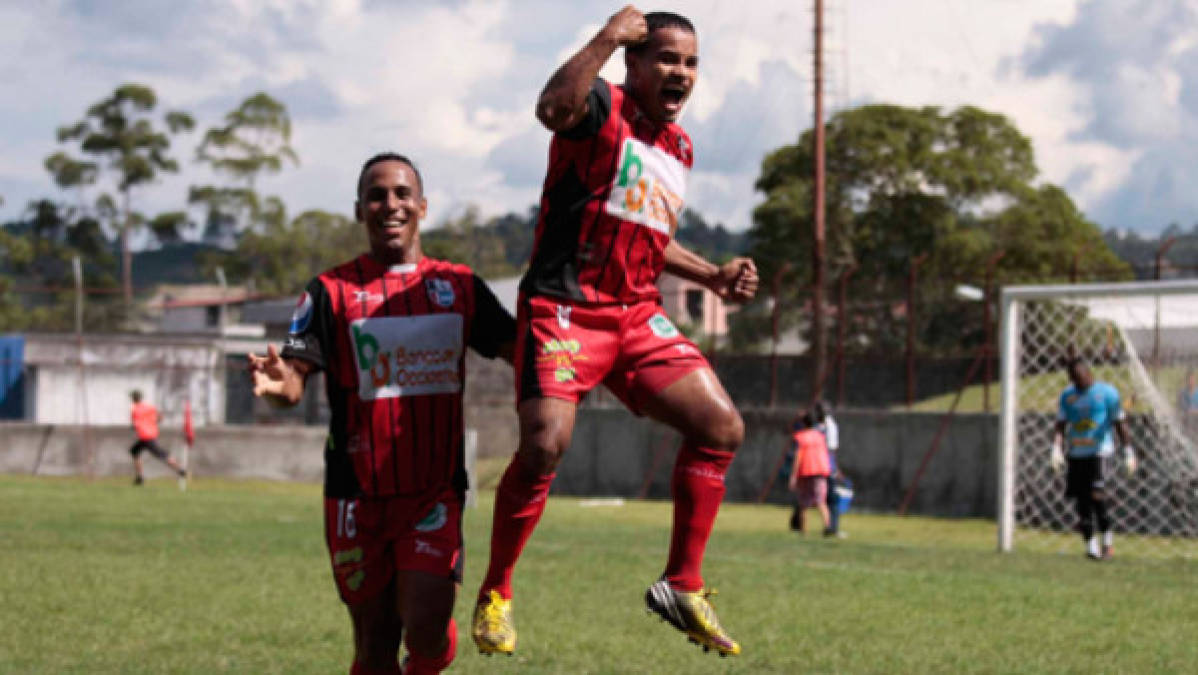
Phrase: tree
[38,251]
[119,130]
[908,181]
[255,140]
[278,257]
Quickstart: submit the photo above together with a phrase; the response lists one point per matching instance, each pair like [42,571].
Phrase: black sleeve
[491,326]
[310,336]
[598,110]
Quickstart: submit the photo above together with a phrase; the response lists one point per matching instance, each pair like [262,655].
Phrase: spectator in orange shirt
[809,476]
[145,424]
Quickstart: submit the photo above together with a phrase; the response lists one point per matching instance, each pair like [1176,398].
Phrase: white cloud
[1102,90]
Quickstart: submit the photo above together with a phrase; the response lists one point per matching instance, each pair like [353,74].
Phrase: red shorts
[564,350]
[370,538]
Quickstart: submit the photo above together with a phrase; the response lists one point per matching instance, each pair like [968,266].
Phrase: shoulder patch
[440,291]
[302,316]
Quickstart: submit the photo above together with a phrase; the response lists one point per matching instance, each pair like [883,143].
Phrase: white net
[1146,345]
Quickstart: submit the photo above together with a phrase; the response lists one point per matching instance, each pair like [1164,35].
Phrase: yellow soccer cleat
[691,613]
[492,627]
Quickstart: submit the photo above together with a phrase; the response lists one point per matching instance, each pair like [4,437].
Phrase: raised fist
[628,27]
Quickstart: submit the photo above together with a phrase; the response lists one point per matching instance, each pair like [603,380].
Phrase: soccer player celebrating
[589,311]
[1086,412]
[389,329]
[145,418]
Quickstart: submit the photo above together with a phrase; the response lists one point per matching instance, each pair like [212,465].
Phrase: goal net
[1143,339]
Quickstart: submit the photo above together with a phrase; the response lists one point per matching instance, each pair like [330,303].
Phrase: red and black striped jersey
[392,344]
[610,204]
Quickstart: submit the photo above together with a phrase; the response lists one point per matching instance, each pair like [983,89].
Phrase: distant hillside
[1180,261]
[173,264]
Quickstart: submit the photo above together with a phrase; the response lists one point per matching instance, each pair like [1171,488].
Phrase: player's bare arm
[279,380]
[735,280]
[563,101]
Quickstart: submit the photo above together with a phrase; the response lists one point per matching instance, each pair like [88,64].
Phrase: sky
[1107,90]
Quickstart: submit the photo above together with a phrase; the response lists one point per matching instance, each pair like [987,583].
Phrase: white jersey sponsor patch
[407,355]
[649,186]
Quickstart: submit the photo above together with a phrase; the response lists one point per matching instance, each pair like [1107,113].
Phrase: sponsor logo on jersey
[560,346]
[435,519]
[684,147]
[440,291]
[302,316]
[1085,425]
[563,316]
[425,548]
[407,355]
[561,355]
[353,555]
[661,326]
[295,342]
[366,297]
[648,188]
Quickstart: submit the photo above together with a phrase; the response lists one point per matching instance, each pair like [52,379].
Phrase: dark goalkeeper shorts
[1084,476]
[151,446]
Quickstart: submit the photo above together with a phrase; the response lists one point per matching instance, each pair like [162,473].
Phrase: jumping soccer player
[389,329]
[589,312]
[1086,412]
[145,419]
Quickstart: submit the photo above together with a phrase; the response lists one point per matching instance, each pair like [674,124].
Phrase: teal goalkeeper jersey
[1088,416]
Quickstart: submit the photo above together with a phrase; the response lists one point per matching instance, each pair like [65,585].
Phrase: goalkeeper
[1086,413]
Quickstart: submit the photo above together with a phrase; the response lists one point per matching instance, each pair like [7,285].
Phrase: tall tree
[903,182]
[120,131]
[255,140]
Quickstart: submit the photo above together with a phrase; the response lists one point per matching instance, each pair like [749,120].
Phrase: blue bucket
[843,491]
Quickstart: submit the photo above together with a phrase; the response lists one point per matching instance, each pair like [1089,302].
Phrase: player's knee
[724,431]
[429,641]
[539,458]
[541,449]
[377,649]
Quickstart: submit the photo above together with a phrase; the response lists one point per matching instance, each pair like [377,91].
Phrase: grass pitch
[100,577]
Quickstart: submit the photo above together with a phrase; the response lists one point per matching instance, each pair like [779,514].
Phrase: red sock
[519,503]
[362,669]
[698,487]
[422,665]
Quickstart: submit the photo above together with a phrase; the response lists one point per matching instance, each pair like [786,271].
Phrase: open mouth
[673,96]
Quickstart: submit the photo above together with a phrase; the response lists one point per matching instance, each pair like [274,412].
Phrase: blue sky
[1106,89]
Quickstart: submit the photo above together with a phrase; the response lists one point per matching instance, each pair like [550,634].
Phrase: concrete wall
[613,454]
[291,453]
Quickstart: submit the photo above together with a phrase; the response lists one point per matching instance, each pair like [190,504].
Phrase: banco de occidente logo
[406,356]
[649,186]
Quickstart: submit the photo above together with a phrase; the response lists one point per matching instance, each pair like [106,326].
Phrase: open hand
[270,374]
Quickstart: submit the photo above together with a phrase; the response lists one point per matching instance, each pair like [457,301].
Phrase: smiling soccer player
[389,330]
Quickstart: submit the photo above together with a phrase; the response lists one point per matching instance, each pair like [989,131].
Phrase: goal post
[1141,337]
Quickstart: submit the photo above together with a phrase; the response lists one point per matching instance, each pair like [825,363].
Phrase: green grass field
[99,577]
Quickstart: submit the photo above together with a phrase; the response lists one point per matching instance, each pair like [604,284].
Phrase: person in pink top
[809,476]
[145,419]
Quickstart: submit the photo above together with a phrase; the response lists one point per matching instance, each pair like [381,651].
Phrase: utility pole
[1156,328]
[988,327]
[817,249]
